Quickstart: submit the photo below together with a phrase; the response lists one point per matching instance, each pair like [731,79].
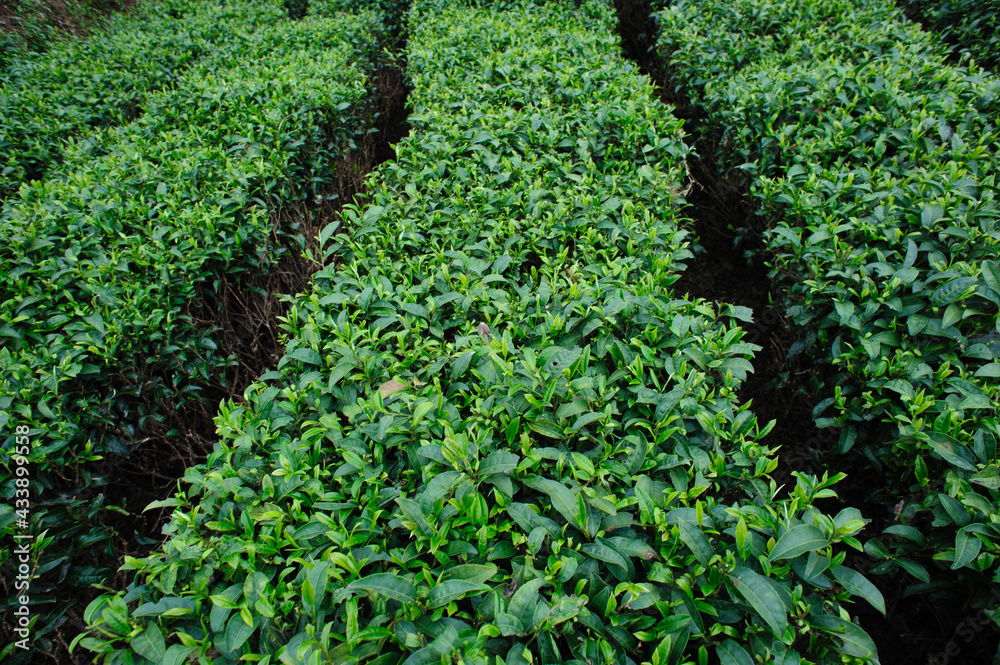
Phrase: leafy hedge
[969,24]
[874,164]
[496,435]
[36,26]
[104,261]
[106,79]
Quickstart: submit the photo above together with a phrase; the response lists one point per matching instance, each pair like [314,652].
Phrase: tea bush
[496,435]
[105,259]
[874,164]
[969,24]
[106,79]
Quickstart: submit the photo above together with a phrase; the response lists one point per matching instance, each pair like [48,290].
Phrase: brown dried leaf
[391,386]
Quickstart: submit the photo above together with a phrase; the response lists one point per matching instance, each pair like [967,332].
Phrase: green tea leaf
[450,590]
[177,654]
[762,597]
[522,604]
[855,642]
[547,428]
[237,633]
[731,653]
[498,462]
[563,499]
[471,572]
[149,643]
[389,585]
[696,541]
[798,540]
[967,548]
[952,451]
[858,585]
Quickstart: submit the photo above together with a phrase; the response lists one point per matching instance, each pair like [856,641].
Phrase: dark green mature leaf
[237,633]
[165,606]
[498,462]
[307,356]
[858,585]
[783,655]
[952,451]
[696,541]
[471,572]
[956,511]
[914,568]
[855,642]
[547,428]
[522,604]
[756,590]
[731,653]
[389,585]
[563,499]
[149,643]
[602,552]
[798,540]
[967,547]
[450,590]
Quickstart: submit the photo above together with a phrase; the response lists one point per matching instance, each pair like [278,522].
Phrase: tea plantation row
[497,436]
[106,80]
[105,257]
[969,24]
[874,164]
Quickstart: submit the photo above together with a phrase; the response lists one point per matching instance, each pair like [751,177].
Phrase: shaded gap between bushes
[958,50]
[722,270]
[729,267]
[245,314]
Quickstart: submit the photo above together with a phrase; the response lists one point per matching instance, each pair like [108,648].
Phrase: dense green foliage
[107,78]
[35,26]
[496,435]
[969,24]
[874,163]
[104,258]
